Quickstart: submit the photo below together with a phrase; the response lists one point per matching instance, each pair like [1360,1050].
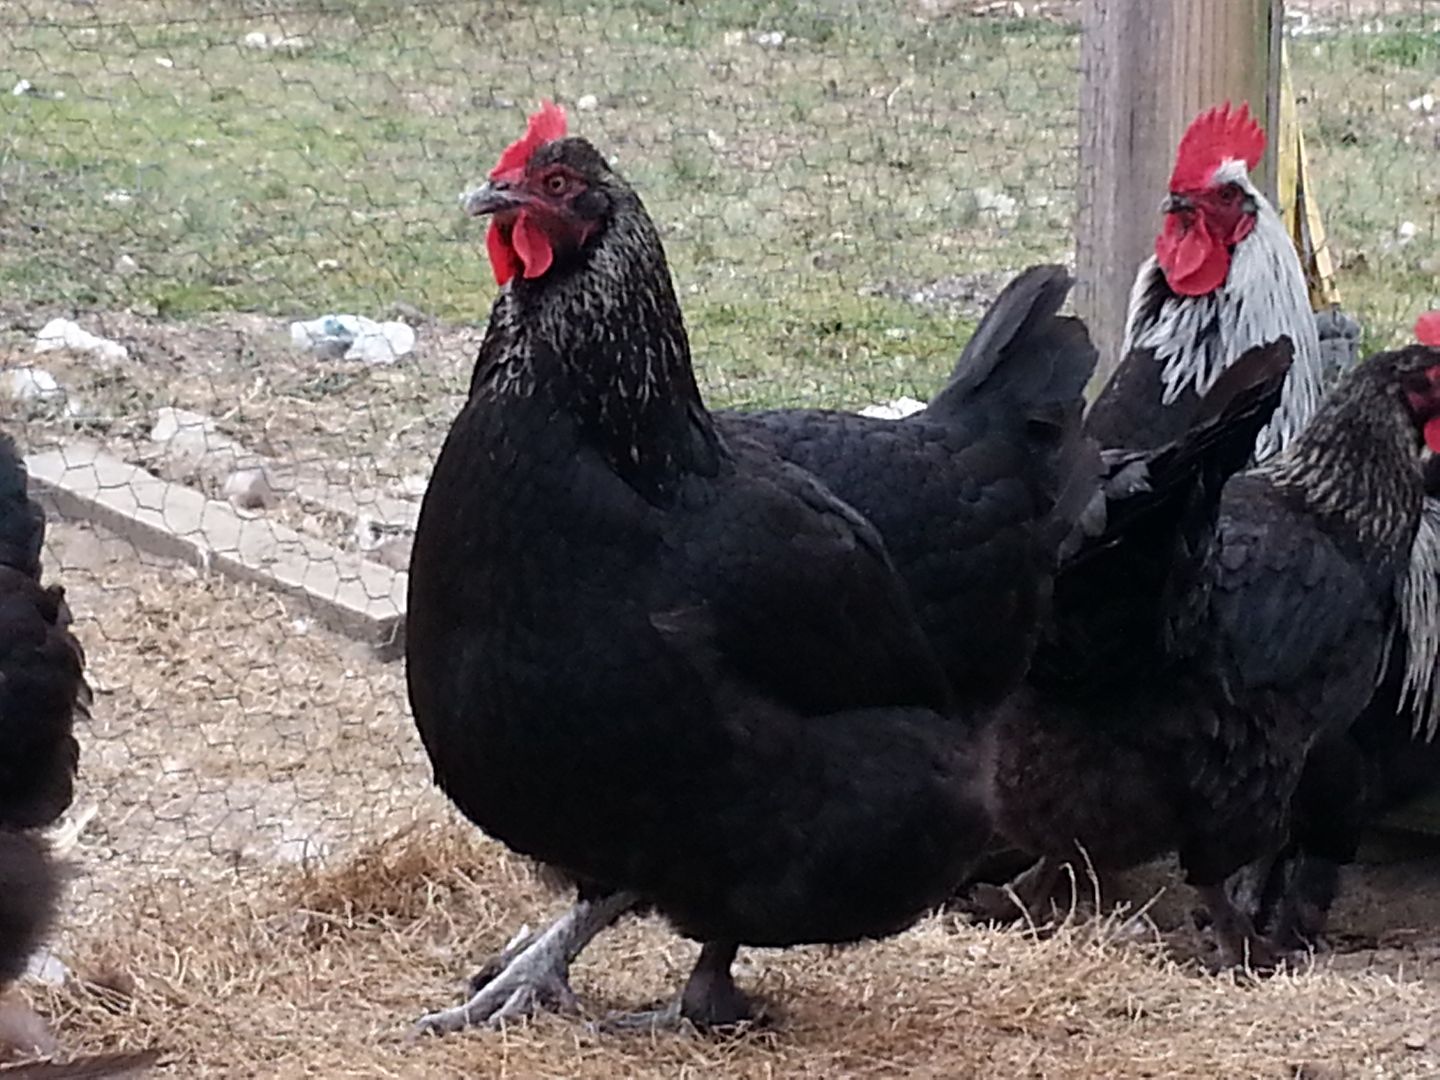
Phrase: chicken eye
[556,183]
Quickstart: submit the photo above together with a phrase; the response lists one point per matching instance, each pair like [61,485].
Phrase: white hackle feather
[1419,603]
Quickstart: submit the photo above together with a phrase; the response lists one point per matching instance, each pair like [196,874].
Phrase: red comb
[1427,329]
[545,125]
[1214,136]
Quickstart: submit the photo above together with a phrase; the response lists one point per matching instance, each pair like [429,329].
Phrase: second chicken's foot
[1238,943]
[536,978]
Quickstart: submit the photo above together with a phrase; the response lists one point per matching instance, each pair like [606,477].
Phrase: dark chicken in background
[654,658]
[975,494]
[42,693]
[1224,278]
[42,690]
[1270,633]
[1387,756]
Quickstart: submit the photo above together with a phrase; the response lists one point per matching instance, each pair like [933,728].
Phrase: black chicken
[1388,755]
[1270,633]
[654,658]
[975,494]
[42,690]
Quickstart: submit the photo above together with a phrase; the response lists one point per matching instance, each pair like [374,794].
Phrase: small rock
[165,61]
[1423,103]
[258,39]
[770,39]
[31,384]
[394,552]
[587,103]
[249,489]
[46,968]
[1005,207]
[64,334]
[124,264]
[715,139]
[327,264]
[1415,1041]
[117,198]
[898,409]
[1406,232]
[354,337]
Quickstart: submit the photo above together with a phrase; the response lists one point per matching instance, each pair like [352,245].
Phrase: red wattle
[1193,262]
[1432,433]
[503,259]
[532,246]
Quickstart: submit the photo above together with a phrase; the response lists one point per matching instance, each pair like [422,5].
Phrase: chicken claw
[536,977]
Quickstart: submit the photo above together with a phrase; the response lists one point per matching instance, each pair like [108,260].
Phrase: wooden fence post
[1147,67]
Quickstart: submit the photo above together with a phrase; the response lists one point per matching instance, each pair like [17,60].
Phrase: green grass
[788,180]
[798,186]
[1375,160]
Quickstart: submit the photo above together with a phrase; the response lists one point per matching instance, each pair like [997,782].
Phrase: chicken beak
[491,197]
[1173,204]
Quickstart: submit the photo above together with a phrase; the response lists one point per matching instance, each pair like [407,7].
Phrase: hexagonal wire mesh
[841,186]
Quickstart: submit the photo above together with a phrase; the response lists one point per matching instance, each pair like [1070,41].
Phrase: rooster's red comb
[1427,329]
[545,125]
[1213,137]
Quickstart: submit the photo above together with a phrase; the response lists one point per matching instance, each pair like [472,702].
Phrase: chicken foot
[1032,890]
[710,999]
[536,975]
[1239,943]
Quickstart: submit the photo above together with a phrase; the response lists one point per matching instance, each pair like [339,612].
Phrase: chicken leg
[537,975]
[1239,943]
[1027,897]
[709,1001]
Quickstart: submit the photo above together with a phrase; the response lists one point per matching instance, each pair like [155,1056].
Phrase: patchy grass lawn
[806,186]
[814,165]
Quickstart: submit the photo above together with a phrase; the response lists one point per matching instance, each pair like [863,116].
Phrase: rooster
[1269,633]
[1224,279]
[663,662]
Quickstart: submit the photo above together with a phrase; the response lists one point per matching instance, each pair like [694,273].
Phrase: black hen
[1387,756]
[653,658]
[42,690]
[1271,634]
[974,494]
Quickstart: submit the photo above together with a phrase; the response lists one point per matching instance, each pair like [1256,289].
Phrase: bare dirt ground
[271,888]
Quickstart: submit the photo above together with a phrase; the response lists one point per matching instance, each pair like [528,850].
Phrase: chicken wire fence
[186,186]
